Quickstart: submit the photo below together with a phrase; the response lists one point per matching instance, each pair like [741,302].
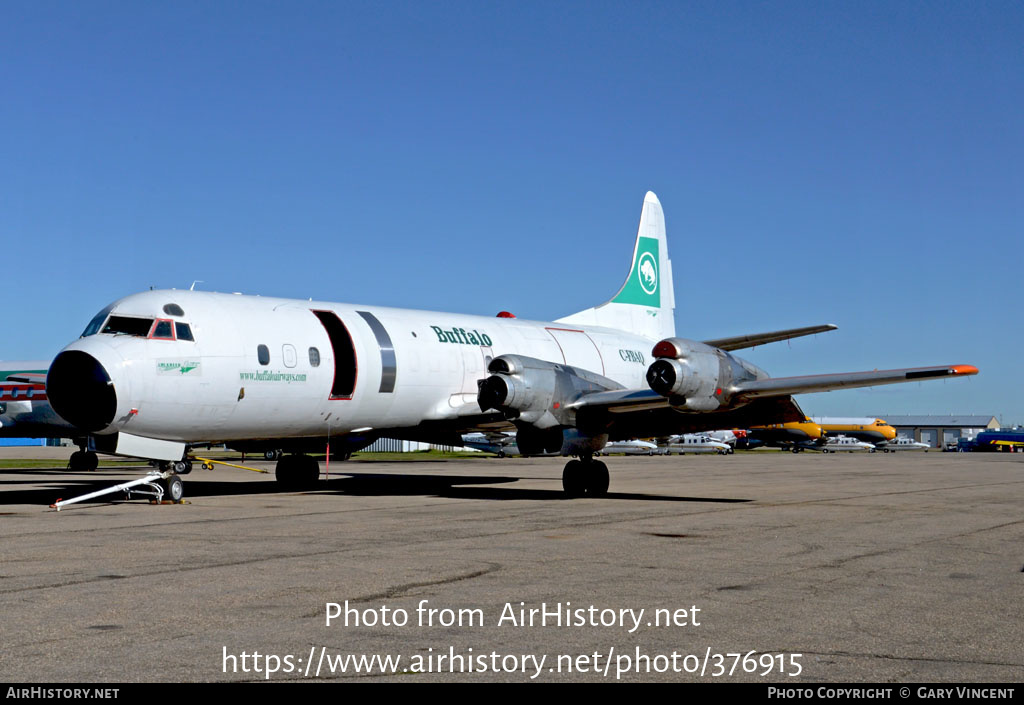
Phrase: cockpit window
[97,322]
[163,330]
[184,331]
[126,325]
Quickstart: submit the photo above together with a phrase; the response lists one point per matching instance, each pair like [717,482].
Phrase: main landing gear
[585,476]
[297,472]
[83,461]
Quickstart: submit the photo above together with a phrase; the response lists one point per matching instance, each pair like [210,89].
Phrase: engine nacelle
[695,376]
[537,392]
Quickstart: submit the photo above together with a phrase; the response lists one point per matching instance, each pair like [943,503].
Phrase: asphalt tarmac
[836,568]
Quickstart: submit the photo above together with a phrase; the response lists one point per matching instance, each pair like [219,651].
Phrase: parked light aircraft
[697,443]
[501,444]
[901,443]
[157,371]
[846,443]
[634,447]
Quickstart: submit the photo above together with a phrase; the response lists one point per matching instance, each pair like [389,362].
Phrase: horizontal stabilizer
[780,386]
[28,377]
[749,341]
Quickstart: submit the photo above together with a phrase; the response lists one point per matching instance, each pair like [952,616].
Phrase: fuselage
[198,366]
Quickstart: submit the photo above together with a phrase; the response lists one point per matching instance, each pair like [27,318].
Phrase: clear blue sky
[849,163]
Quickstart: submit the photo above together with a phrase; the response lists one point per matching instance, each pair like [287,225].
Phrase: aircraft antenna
[193,287]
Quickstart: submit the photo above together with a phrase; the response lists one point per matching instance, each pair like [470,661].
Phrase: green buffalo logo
[461,336]
[642,286]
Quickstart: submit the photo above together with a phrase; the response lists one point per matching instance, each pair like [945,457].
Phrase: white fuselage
[401,368]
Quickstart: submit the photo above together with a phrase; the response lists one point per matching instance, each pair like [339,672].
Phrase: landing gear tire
[501,454]
[297,472]
[83,461]
[183,467]
[574,480]
[585,478]
[272,454]
[825,450]
[174,488]
[597,479]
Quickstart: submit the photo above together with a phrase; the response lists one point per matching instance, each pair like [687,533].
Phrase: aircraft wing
[762,402]
[748,341]
[780,386]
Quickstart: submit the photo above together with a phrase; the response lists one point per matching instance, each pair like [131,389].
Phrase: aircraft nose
[80,391]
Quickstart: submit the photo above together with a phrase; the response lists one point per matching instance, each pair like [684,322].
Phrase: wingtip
[964,369]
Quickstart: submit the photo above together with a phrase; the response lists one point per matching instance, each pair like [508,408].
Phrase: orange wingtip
[964,369]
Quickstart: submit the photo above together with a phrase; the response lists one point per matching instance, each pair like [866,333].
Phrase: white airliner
[160,370]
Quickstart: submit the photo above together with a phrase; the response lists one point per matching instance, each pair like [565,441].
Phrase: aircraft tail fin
[646,302]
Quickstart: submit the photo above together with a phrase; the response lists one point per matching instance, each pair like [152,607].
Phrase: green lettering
[440,334]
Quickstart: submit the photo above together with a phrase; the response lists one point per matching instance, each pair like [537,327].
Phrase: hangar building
[937,431]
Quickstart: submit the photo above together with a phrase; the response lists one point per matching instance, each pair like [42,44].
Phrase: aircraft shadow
[463,487]
[349,483]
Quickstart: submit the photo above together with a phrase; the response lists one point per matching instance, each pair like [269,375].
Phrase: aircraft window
[183,330]
[263,354]
[3,409]
[97,322]
[314,357]
[125,325]
[163,330]
[173,310]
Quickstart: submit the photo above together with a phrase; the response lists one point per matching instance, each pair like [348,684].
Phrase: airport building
[937,431]
[393,445]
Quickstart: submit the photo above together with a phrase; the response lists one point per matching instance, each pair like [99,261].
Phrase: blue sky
[849,163]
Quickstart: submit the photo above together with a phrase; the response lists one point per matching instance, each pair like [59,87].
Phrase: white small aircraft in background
[158,371]
[697,443]
[902,443]
[634,447]
[836,444]
[501,444]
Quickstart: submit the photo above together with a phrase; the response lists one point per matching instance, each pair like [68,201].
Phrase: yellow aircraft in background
[795,435]
[877,431]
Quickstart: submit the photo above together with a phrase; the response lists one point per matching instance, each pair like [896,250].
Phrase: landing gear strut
[297,472]
[585,477]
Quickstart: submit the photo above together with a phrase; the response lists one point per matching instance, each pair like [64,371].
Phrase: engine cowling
[537,392]
[695,376]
